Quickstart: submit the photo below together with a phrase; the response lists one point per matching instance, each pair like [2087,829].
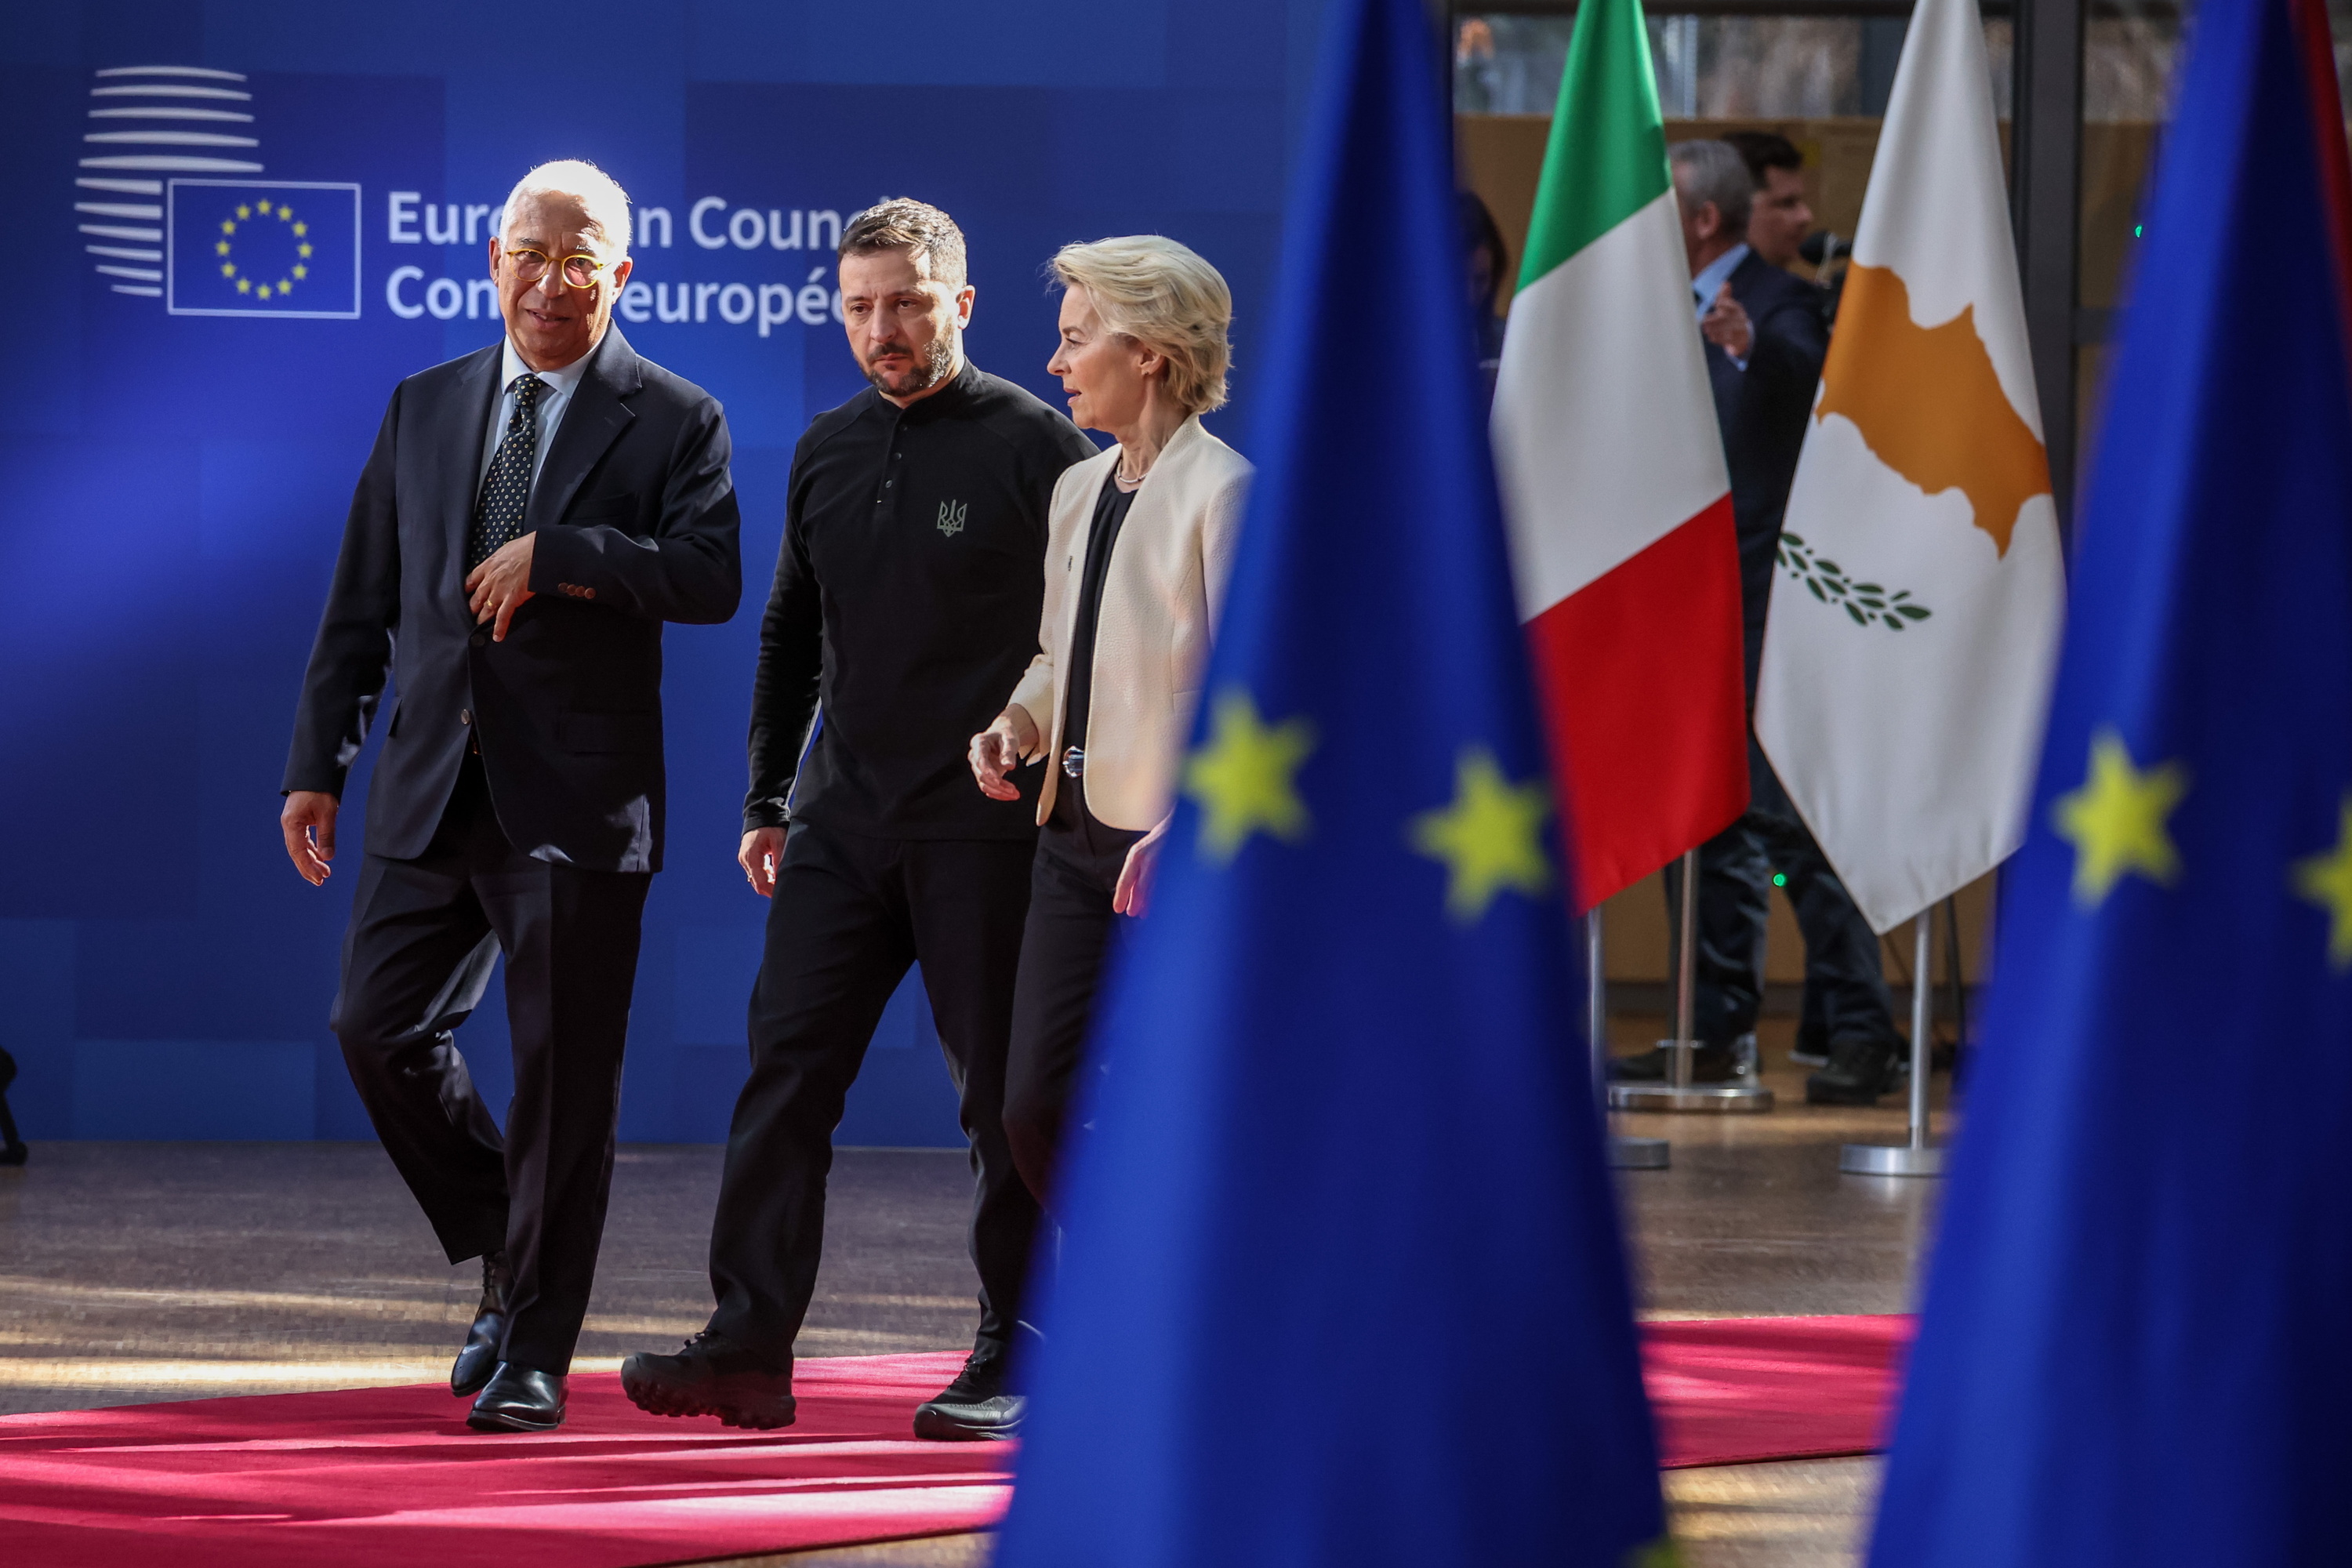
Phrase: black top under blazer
[636,524]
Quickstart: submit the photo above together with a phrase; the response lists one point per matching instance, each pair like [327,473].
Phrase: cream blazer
[1159,603]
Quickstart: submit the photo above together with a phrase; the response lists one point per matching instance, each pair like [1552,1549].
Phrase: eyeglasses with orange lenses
[580,269]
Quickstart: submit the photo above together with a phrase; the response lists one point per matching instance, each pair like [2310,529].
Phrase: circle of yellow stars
[246,212]
[1488,838]
[2118,824]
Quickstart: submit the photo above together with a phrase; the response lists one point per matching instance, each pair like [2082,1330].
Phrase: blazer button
[479,640]
[465,715]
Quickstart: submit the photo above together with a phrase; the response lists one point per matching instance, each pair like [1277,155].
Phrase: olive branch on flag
[1865,602]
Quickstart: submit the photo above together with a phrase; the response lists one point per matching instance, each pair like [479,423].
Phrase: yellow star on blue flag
[2326,880]
[1243,776]
[2116,820]
[1490,837]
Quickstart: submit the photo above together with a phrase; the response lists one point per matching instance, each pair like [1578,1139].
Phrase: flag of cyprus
[1917,596]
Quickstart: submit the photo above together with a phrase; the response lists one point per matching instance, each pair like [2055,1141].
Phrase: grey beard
[938,359]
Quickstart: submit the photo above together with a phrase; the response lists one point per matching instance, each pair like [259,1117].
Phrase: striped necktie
[506,488]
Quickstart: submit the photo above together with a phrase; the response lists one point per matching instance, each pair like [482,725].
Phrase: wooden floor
[137,1272]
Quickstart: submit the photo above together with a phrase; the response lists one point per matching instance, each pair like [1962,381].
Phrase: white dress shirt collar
[562,381]
[549,409]
[1716,273]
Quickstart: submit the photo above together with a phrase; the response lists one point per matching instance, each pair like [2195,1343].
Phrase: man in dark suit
[1765,344]
[530,516]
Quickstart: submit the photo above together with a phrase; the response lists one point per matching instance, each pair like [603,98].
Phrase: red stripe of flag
[2318,46]
[1639,674]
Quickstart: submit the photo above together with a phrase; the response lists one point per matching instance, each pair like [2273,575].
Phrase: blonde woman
[1135,570]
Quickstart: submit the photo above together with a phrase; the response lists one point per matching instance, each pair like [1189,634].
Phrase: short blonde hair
[599,194]
[1162,295]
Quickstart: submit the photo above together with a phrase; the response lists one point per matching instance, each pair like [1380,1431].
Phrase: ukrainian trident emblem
[951,517]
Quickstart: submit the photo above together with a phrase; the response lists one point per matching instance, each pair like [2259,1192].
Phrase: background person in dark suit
[905,606]
[530,516]
[1779,220]
[1764,346]
[1778,216]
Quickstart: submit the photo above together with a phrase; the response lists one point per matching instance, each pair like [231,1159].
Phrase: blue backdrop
[177,452]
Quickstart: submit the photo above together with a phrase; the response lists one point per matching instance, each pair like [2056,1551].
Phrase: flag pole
[1685,974]
[1918,1157]
[1742,1091]
[1624,1153]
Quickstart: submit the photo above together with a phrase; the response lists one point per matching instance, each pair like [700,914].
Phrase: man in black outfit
[530,516]
[1765,344]
[906,604]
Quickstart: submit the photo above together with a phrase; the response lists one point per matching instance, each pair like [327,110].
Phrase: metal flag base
[1737,1097]
[1640,1154]
[1677,1092]
[1918,1157]
[1624,1153]
[1890,1159]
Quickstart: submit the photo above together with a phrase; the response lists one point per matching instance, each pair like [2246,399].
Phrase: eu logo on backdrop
[263,247]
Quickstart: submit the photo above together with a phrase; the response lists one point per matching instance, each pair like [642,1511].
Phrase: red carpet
[1742,1389]
[390,1478]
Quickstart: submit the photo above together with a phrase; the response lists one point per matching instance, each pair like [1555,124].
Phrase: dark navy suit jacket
[1763,411]
[636,523]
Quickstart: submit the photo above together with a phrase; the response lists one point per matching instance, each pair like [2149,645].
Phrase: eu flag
[2132,1350]
[1343,1281]
[263,247]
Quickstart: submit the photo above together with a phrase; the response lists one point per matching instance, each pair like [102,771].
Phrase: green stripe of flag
[1607,156]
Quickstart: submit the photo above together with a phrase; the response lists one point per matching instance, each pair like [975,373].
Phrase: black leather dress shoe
[975,1407]
[711,1375]
[518,1399]
[12,1148]
[480,1355]
[1860,1071]
[1709,1064]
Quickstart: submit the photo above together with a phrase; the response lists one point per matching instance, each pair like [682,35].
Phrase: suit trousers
[850,913]
[1064,951]
[424,936]
[1845,983]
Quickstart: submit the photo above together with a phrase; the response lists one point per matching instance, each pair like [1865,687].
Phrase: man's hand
[1134,889]
[309,821]
[996,752]
[499,585]
[762,852]
[1726,325]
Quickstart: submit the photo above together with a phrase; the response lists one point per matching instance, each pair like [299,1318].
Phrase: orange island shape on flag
[1928,404]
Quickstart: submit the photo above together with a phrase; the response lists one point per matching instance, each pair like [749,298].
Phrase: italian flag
[1612,477]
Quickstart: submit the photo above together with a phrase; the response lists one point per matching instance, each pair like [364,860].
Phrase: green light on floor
[2139,229]
[1780,879]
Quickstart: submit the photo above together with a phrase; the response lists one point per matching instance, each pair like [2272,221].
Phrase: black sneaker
[975,1407]
[1860,1071]
[711,1375]
[1709,1064]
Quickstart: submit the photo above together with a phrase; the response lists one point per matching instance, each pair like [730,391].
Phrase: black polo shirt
[905,610]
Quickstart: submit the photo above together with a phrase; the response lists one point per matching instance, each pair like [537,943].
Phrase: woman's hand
[1134,889]
[761,855]
[997,750]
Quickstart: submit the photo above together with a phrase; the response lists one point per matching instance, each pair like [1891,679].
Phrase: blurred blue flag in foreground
[1343,1281]
[2133,1345]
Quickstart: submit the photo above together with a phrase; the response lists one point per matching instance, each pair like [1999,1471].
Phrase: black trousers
[850,913]
[1064,949]
[423,937]
[1845,983]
